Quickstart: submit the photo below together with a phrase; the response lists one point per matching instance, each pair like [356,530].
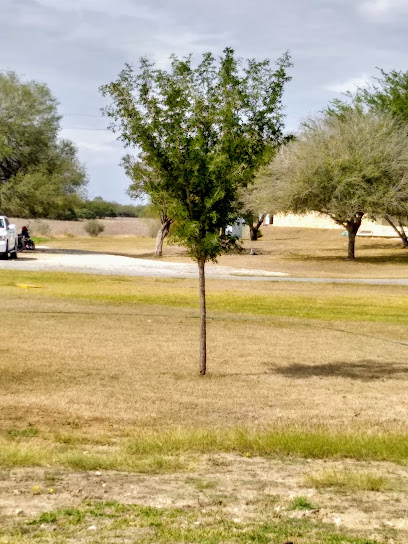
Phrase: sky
[75,46]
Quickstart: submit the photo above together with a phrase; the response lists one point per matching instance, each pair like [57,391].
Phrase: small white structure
[238,229]
[268,219]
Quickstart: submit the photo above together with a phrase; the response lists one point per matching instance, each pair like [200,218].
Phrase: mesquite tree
[205,131]
[389,94]
[345,165]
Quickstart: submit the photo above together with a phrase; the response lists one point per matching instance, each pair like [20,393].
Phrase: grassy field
[96,349]
[298,432]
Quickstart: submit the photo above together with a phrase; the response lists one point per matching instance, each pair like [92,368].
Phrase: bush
[94,227]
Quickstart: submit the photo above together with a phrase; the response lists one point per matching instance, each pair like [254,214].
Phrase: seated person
[24,232]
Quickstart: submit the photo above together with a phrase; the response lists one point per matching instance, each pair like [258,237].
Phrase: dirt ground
[238,487]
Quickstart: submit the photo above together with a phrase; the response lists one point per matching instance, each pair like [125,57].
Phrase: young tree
[205,131]
[345,166]
[251,211]
[148,182]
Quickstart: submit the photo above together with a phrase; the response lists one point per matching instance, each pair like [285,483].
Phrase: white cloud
[95,141]
[380,9]
[348,85]
[118,8]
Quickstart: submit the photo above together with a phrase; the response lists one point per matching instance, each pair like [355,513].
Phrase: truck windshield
[1,223]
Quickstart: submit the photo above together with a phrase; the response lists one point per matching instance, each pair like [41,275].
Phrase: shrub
[94,227]
[301,503]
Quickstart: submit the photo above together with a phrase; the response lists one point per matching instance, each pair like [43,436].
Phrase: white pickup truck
[8,239]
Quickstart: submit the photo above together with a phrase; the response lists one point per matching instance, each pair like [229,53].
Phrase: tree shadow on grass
[398,258]
[365,370]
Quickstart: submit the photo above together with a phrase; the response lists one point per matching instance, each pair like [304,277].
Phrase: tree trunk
[351,245]
[404,237]
[161,235]
[352,225]
[203,318]
[254,228]
[401,233]
[253,233]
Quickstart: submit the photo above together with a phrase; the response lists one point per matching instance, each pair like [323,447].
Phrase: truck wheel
[13,254]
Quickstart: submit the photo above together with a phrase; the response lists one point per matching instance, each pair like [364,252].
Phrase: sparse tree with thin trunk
[346,165]
[147,181]
[251,212]
[204,131]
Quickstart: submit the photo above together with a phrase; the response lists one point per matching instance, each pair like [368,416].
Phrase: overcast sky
[77,45]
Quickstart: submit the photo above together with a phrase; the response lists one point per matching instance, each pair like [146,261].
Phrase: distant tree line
[99,208]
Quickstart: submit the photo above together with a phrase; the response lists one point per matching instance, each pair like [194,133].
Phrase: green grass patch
[345,304]
[155,452]
[301,503]
[306,444]
[113,522]
[23,455]
[23,433]
[348,480]
[40,239]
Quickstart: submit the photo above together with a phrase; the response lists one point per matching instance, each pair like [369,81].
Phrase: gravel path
[61,260]
[98,263]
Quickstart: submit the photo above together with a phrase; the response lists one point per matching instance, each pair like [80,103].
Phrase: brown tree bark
[351,245]
[203,318]
[352,226]
[254,226]
[401,233]
[161,235]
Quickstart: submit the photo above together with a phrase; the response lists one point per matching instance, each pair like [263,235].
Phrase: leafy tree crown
[201,133]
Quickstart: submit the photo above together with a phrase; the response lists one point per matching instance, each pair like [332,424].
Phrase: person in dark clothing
[24,232]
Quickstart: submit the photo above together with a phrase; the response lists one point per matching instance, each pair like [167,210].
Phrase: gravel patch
[97,263]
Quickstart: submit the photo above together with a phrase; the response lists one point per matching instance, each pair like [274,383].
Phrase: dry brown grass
[321,253]
[107,367]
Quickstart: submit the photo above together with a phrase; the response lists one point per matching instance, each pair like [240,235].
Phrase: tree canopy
[345,166]
[389,94]
[204,131]
[39,173]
